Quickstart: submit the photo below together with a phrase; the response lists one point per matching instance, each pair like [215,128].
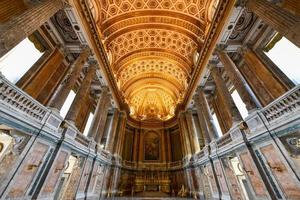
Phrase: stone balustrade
[281,114]
[17,100]
[285,105]
[28,110]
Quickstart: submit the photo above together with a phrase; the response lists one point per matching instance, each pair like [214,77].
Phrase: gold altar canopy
[152,46]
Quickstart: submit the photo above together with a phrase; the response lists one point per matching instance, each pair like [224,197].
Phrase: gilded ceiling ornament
[152,46]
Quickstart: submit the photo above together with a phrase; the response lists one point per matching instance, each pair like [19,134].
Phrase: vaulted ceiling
[152,46]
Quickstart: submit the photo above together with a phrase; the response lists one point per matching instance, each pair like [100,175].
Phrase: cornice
[222,16]
[84,14]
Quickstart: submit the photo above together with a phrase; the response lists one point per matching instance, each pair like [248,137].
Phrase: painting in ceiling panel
[152,46]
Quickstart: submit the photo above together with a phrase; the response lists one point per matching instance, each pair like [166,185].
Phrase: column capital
[92,62]
[212,64]
[214,70]
[220,48]
[199,90]
[63,49]
[243,49]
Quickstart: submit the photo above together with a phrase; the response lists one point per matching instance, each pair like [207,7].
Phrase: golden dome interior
[151,45]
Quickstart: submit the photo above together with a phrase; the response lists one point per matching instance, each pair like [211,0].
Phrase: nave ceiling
[152,46]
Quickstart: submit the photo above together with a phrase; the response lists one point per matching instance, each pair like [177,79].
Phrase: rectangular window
[19,60]
[285,55]
[239,104]
[64,110]
[88,124]
[216,122]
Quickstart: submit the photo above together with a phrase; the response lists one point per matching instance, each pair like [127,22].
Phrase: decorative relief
[195,8]
[193,30]
[152,66]
[64,26]
[162,40]
[243,25]
[152,103]
[151,45]
[292,144]
[183,64]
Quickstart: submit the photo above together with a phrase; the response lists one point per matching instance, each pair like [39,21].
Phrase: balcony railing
[15,99]
[284,105]
[24,107]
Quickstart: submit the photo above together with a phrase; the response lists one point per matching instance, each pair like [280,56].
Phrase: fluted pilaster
[120,133]
[111,140]
[68,83]
[81,94]
[193,135]
[105,104]
[97,114]
[226,97]
[212,130]
[184,135]
[202,123]
[234,76]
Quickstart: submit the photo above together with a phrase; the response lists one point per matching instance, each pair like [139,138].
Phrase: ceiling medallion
[152,46]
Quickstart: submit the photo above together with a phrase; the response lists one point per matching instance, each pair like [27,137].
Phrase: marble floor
[148,198]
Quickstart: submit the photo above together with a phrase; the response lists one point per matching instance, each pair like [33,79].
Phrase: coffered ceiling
[152,46]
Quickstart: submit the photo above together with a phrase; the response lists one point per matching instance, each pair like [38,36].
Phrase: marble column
[81,94]
[226,97]
[212,130]
[182,141]
[120,133]
[267,85]
[20,26]
[135,145]
[234,76]
[184,135]
[168,140]
[112,135]
[97,114]
[58,99]
[105,101]
[193,135]
[279,19]
[163,148]
[202,123]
